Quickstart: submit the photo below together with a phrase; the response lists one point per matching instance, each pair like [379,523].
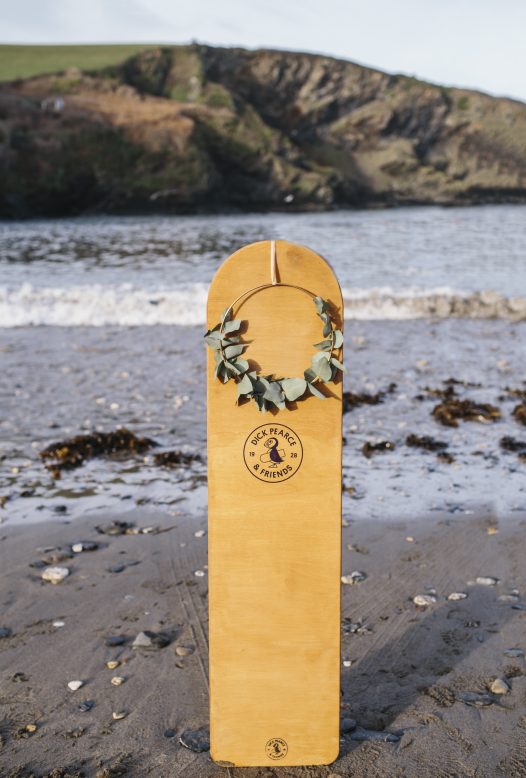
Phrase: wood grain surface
[274,543]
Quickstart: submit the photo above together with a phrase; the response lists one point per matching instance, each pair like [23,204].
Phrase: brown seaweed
[512,444]
[368,449]
[73,452]
[175,458]
[519,412]
[450,411]
[425,442]
[353,400]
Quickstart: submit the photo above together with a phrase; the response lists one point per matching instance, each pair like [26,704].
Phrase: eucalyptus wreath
[269,392]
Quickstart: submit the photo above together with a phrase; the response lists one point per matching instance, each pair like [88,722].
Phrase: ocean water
[392,264]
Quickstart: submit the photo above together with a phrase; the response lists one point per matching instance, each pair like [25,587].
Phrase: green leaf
[338,338]
[230,366]
[310,374]
[327,329]
[316,392]
[324,345]
[219,367]
[242,365]
[234,351]
[321,304]
[338,364]
[320,364]
[294,388]
[213,338]
[274,394]
[244,387]
[232,326]
[226,315]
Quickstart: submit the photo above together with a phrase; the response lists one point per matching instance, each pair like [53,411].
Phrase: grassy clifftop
[196,128]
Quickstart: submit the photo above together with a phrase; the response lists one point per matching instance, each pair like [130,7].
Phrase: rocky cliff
[196,128]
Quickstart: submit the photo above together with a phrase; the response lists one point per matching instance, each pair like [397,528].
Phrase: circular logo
[276,748]
[273,452]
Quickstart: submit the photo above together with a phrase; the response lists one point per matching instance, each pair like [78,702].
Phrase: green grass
[27,61]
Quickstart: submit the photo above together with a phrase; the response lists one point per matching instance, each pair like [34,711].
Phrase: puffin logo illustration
[276,748]
[273,453]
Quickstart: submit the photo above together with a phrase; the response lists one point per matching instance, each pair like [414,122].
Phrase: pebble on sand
[517,653]
[55,575]
[184,650]
[58,623]
[499,686]
[199,573]
[355,577]
[84,545]
[423,600]
[457,596]
[118,680]
[5,632]
[119,714]
[486,580]
[197,740]
[150,641]
[115,640]
[200,533]
[112,664]
[74,685]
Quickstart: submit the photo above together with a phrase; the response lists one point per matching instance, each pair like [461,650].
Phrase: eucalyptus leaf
[230,366]
[226,315]
[294,388]
[315,391]
[219,366]
[274,394]
[320,364]
[310,374]
[324,345]
[234,351]
[242,365]
[338,338]
[232,326]
[338,364]
[213,338]
[244,387]
[327,329]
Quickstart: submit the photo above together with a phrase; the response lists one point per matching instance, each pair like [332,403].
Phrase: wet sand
[412,670]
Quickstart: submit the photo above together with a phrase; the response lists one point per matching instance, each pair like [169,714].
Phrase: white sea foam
[95,305]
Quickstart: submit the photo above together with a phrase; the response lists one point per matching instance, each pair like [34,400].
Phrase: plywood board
[274,531]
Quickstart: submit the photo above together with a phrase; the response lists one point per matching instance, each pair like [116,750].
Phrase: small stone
[517,653]
[5,632]
[84,545]
[74,685]
[115,528]
[116,569]
[169,733]
[423,600]
[347,725]
[368,734]
[475,699]
[147,530]
[31,728]
[112,664]
[19,678]
[197,740]
[355,577]
[199,573]
[86,705]
[457,596]
[115,640]
[118,715]
[55,575]
[410,539]
[59,624]
[499,686]
[508,598]
[200,533]
[486,580]
[184,650]
[150,641]
[118,680]
[492,530]
[347,662]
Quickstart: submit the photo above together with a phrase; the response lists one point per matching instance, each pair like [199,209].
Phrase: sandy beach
[416,680]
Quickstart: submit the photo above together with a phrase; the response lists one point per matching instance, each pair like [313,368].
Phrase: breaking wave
[124,305]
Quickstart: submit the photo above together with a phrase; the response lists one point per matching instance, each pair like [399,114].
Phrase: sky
[471,43]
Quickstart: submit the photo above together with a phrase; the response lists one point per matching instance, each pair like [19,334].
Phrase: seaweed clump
[175,458]
[425,442]
[368,449]
[73,452]
[354,400]
[450,411]
[519,412]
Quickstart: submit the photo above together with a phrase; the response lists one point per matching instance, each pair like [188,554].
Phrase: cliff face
[191,128]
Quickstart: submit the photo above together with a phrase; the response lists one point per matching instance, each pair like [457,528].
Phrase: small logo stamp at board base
[273,453]
[276,748]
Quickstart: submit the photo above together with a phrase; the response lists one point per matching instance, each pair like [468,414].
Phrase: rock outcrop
[196,128]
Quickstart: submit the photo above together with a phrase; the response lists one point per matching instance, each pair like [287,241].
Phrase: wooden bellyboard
[274,542]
